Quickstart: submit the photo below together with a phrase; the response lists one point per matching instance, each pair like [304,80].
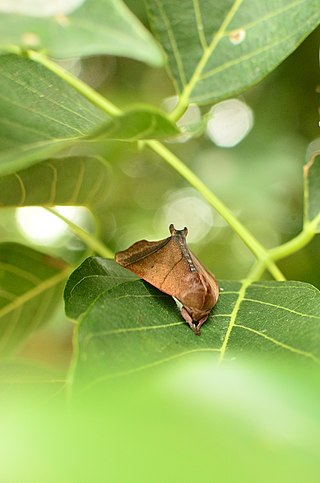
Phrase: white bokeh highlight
[185,208]
[229,122]
[41,226]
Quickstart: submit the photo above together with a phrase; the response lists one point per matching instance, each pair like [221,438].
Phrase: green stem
[256,271]
[297,243]
[178,111]
[257,249]
[93,96]
[86,237]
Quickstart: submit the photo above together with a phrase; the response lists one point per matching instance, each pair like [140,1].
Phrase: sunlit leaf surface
[127,325]
[216,49]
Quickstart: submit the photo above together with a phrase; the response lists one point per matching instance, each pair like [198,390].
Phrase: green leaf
[217,49]
[40,114]
[70,181]
[30,288]
[106,275]
[95,27]
[128,325]
[312,191]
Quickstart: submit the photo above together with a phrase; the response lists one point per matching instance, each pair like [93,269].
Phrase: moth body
[171,267]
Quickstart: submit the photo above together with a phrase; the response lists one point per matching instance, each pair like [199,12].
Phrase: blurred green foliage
[242,421]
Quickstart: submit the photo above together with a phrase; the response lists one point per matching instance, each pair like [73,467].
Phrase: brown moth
[171,267]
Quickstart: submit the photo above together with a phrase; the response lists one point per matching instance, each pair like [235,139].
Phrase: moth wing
[171,267]
[152,261]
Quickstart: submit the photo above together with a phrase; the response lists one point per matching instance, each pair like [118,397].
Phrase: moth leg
[187,317]
[199,324]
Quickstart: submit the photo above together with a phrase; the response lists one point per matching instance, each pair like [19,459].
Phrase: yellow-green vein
[233,317]
[22,188]
[173,43]
[301,314]
[199,24]
[52,194]
[149,366]
[280,344]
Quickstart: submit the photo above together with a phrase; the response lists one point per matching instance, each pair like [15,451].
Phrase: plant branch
[86,237]
[256,271]
[256,248]
[298,242]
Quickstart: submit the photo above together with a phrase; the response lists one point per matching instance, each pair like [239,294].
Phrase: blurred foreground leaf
[217,49]
[95,27]
[30,289]
[312,190]
[127,325]
[41,114]
[258,414]
[32,379]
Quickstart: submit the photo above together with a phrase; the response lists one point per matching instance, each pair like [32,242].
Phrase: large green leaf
[30,288]
[217,49]
[71,181]
[40,114]
[312,190]
[127,325]
[95,27]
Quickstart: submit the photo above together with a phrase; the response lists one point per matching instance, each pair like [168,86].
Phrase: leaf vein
[173,44]
[301,314]
[78,184]
[233,317]
[208,52]
[53,190]
[40,95]
[123,330]
[280,344]
[7,267]
[22,189]
[199,24]
[271,14]
[150,365]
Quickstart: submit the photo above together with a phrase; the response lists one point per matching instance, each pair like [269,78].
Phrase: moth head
[173,231]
